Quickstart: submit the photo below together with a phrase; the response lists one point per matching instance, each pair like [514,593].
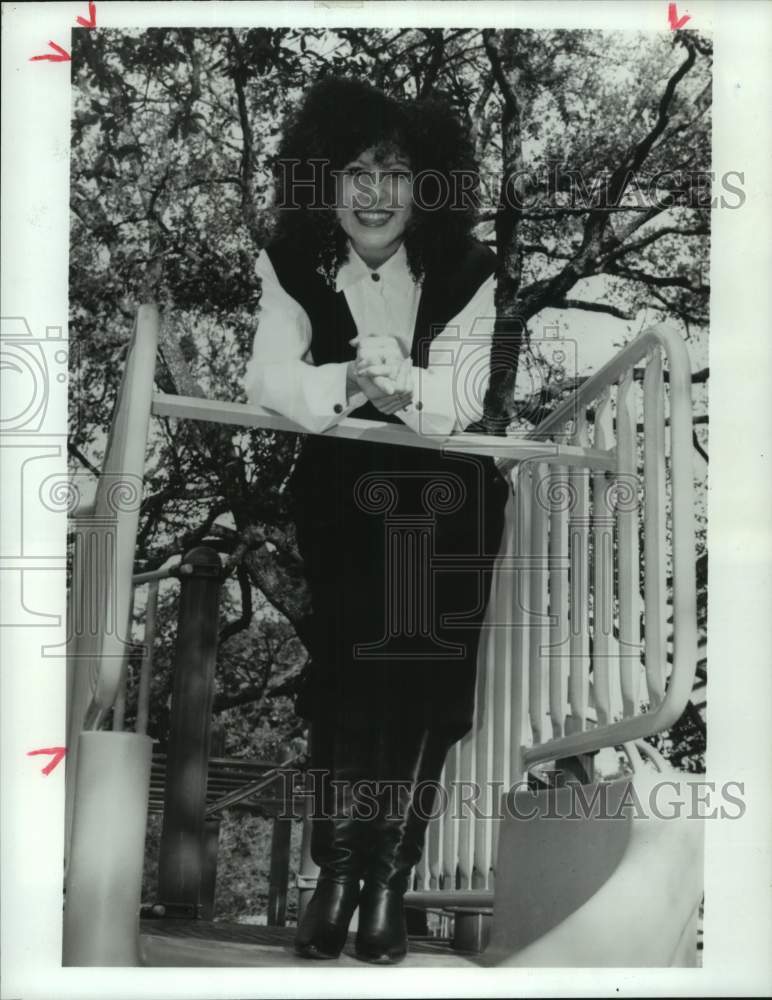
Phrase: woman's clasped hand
[382,372]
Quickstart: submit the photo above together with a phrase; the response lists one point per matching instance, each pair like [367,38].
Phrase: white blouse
[282,378]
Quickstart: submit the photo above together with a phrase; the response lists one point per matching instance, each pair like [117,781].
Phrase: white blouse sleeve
[449,393]
[281,376]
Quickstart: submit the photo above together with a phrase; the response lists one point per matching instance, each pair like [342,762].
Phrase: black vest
[346,535]
[332,325]
[327,468]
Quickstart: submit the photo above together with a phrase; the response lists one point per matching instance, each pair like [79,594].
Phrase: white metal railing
[105,535]
[571,659]
[553,586]
[622,498]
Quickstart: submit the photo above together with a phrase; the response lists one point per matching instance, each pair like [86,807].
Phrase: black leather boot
[410,767]
[339,759]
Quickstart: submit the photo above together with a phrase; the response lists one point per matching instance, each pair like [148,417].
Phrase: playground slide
[613,885]
[104,873]
[608,884]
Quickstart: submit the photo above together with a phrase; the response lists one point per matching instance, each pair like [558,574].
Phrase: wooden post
[278,879]
[308,870]
[181,861]
[210,845]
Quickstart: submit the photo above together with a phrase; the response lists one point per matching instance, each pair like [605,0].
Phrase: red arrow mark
[57,753]
[676,21]
[62,55]
[91,23]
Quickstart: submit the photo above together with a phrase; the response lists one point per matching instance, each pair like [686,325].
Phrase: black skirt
[398,545]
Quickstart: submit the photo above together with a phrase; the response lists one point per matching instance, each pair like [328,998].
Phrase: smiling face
[375,203]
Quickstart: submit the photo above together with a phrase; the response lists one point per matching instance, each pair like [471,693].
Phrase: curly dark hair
[339,119]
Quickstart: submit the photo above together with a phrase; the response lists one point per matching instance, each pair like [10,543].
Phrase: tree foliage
[594,151]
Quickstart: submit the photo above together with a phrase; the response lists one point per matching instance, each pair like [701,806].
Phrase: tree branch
[435,37]
[245,618]
[635,246]
[507,91]
[587,259]
[600,307]
[697,446]
[222,702]
[248,206]
[76,453]
[658,280]
[677,308]
[620,179]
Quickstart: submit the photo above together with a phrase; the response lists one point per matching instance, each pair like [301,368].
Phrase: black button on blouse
[375,277]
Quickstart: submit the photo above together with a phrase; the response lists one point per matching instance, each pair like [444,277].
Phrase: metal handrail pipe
[516,448]
[659,335]
[683,534]
[473,899]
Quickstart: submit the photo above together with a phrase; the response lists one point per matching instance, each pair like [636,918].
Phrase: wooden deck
[200,943]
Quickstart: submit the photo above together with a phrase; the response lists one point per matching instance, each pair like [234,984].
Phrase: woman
[377,303]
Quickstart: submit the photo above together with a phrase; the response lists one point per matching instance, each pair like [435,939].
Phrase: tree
[594,150]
